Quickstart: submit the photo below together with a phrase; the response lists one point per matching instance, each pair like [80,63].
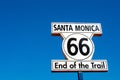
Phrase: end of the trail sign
[77,47]
[84,66]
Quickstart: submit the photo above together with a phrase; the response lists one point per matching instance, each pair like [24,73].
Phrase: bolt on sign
[78,47]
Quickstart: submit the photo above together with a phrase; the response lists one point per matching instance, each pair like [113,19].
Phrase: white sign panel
[69,27]
[84,66]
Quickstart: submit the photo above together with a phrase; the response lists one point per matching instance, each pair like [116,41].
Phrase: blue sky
[27,46]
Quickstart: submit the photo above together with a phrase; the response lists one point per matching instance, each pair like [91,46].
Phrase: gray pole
[80,76]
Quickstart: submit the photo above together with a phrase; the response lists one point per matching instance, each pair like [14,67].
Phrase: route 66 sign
[77,47]
[77,39]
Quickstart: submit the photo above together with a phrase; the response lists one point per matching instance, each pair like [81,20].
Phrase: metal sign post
[80,76]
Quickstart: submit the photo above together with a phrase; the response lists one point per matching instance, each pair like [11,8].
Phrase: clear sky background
[27,46]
